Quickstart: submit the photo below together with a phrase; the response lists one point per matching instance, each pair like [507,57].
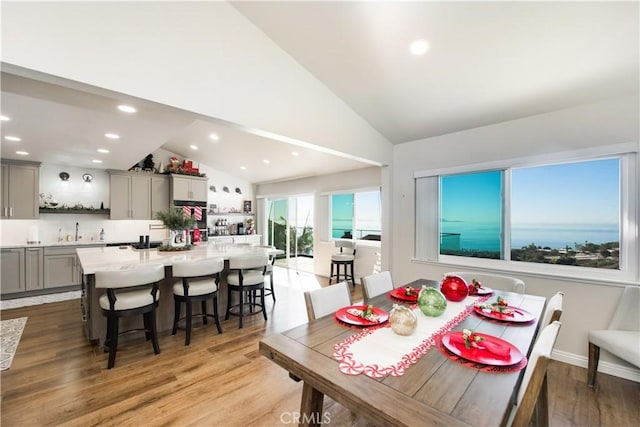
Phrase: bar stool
[246,277]
[200,280]
[345,258]
[269,272]
[116,304]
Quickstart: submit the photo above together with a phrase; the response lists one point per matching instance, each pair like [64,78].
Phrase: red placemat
[479,366]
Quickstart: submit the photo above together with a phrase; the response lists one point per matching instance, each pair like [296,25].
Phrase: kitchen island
[115,258]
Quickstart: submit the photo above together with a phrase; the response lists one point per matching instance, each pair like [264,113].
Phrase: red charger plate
[398,293]
[483,356]
[519,315]
[345,317]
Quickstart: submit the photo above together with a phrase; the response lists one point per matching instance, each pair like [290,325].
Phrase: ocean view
[487,237]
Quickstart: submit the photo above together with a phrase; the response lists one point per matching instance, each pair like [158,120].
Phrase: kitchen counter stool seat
[116,304]
[345,259]
[246,277]
[200,280]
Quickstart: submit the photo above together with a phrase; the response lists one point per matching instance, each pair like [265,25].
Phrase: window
[356,215]
[578,214]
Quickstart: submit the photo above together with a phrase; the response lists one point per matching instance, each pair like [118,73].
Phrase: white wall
[368,253]
[589,305]
[203,57]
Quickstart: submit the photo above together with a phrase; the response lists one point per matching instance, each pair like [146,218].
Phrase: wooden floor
[59,378]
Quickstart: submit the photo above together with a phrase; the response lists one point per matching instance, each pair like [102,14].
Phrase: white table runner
[378,352]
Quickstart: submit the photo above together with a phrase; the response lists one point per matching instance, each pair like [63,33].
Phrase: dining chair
[344,257]
[269,271]
[494,281]
[621,338]
[200,282]
[533,393]
[246,278]
[376,284]
[117,303]
[553,310]
[323,301]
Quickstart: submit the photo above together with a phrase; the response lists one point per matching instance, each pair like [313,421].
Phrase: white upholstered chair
[324,301]
[376,284]
[622,337]
[269,272]
[344,257]
[118,302]
[553,310]
[493,281]
[533,391]
[246,277]
[200,280]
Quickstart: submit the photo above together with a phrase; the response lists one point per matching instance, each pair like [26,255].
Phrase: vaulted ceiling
[487,62]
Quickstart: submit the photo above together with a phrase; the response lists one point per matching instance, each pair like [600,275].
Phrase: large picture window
[578,214]
[356,215]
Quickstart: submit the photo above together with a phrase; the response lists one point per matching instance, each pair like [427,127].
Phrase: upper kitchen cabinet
[20,190]
[188,188]
[160,193]
[130,195]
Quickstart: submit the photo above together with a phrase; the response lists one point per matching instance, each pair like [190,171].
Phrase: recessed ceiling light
[419,47]
[22,153]
[96,161]
[244,168]
[127,108]
[112,135]
[193,147]
[295,153]
[266,162]
[214,137]
[4,118]
[12,138]
[103,150]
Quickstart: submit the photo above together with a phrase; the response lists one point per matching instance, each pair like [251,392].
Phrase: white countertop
[114,258]
[56,244]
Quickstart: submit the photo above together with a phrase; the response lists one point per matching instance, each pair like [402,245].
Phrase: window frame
[629,215]
[352,192]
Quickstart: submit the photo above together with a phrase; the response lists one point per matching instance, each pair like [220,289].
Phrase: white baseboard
[605,367]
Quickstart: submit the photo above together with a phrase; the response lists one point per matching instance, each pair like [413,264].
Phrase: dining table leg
[311,406]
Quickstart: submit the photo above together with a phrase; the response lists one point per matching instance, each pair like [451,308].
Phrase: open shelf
[75,211]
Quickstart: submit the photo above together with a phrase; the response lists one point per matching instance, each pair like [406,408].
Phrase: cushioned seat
[344,258]
[200,279]
[622,337]
[116,303]
[246,278]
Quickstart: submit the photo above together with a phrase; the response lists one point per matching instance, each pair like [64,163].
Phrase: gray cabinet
[130,196]
[34,263]
[20,190]
[160,198]
[61,267]
[13,269]
[188,188]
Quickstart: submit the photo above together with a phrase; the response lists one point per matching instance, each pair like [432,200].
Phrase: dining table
[437,388]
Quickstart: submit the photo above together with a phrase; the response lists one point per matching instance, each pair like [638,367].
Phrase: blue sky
[575,193]
[584,193]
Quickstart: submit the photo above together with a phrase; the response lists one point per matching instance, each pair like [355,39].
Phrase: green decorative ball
[431,302]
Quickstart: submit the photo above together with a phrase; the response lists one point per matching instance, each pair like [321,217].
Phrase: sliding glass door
[290,228]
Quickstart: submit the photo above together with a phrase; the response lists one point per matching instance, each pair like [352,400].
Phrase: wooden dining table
[434,391]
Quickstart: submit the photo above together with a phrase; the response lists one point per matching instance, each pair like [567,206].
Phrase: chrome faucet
[77,227]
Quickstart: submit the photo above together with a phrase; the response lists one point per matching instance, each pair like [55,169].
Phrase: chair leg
[215,313]
[187,337]
[273,292]
[154,331]
[176,315]
[147,327]
[264,307]
[353,280]
[331,273]
[113,341]
[226,316]
[204,312]
[241,308]
[594,357]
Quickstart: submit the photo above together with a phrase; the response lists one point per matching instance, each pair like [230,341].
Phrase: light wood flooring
[59,378]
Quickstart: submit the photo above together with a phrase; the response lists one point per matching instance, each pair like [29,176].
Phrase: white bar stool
[246,277]
[200,281]
[117,304]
